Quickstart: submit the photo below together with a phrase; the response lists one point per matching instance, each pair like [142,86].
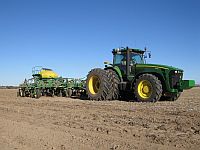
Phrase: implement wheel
[32,93]
[148,88]
[69,92]
[97,84]
[37,93]
[21,93]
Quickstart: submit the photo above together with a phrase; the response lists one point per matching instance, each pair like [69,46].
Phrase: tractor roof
[127,48]
[47,69]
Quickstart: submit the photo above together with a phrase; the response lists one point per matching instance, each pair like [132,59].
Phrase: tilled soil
[64,123]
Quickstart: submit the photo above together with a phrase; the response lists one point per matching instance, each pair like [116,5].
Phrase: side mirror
[149,55]
[107,63]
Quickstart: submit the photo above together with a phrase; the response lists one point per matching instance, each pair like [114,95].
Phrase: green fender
[118,71]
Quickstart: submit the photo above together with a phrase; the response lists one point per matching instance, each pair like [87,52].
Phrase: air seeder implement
[46,82]
[130,76]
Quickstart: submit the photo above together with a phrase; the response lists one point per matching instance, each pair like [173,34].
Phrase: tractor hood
[158,66]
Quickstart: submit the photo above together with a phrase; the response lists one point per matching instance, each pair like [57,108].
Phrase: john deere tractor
[129,75]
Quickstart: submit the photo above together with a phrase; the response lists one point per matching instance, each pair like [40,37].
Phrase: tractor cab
[135,56]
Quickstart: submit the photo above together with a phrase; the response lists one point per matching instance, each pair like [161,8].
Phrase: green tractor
[129,75]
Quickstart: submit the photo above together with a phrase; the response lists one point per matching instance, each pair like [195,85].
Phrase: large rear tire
[114,80]
[148,88]
[98,85]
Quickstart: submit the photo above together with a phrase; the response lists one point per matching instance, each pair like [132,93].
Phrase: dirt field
[64,124]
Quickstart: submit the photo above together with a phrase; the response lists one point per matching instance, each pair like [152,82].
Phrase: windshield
[120,59]
[137,58]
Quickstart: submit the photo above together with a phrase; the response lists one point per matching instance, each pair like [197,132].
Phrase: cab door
[132,66]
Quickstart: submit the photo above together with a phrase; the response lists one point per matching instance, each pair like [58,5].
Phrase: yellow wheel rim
[145,89]
[94,84]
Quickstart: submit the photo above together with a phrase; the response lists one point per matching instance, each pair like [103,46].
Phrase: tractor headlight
[177,71]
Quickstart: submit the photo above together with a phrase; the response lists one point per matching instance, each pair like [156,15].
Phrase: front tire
[148,88]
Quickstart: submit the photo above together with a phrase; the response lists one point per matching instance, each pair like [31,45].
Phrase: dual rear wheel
[102,84]
[98,84]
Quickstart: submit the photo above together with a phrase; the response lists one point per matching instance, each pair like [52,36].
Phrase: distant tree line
[8,87]
[197,85]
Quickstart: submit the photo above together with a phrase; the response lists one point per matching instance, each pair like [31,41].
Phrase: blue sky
[74,36]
